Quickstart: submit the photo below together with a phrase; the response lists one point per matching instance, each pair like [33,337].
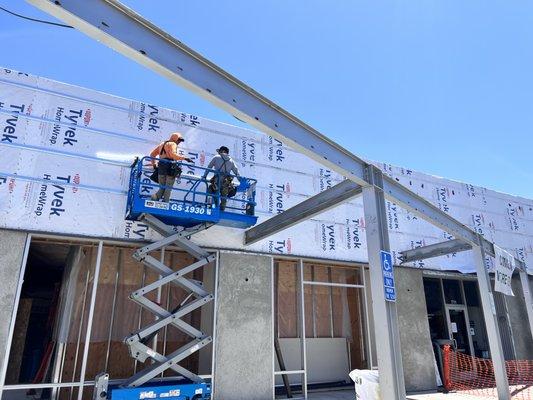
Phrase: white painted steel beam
[491,323]
[117,26]
[434,250]
[315,205]
[389,353]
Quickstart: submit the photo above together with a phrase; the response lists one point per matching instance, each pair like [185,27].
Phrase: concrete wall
[417,351]
[244,338]
[11,253]
[518,319]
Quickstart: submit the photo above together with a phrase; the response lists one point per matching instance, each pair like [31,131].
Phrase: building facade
[295,306]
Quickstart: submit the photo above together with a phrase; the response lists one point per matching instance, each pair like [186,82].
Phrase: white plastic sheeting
[366,384]
[65,156]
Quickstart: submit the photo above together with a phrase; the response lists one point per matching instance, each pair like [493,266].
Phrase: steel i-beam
[434,250]
[315,205]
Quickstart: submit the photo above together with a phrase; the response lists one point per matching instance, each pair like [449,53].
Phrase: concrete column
[12,245]
[206,321]
[519,322]
[244,345]
[417,351]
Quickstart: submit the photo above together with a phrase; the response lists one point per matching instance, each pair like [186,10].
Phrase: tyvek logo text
[414,245]
[353,234]
[442,198]
[151,118]
[328,237]
[189,119]
[280,246]
[69,134]
[392,216]
[57,200]
[325,180]
[247,151]
[135,230]
[275,150]
[276,197]
[512,216]
[10,128]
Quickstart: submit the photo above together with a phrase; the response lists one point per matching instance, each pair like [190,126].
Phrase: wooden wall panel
[131,276]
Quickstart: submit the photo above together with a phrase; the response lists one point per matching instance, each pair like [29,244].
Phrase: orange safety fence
[475,376]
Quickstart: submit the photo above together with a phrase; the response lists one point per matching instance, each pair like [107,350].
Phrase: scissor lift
[190,210]
[190,203]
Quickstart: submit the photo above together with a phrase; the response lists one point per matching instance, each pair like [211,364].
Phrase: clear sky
[444,87]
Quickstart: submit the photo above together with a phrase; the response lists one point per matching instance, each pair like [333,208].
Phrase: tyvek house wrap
[65,160]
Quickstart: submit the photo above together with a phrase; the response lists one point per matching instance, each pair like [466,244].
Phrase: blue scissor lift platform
[193,207]
[190,201]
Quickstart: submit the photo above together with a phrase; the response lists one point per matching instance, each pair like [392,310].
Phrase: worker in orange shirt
[168,170]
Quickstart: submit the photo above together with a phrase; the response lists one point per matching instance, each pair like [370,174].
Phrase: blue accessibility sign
[388,275]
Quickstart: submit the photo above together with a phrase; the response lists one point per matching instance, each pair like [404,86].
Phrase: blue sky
[443,87]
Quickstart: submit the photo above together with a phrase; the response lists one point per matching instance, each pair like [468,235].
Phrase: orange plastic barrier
[475,376]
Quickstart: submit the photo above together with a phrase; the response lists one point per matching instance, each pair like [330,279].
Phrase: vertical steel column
[313,300]
[80,330]
[493,330]
[389,355]
[302,331]
[96,277]
[524,279]
[113,305]
[331,329]
[367,323]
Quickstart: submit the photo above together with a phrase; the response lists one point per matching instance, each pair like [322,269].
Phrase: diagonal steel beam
[317,204]
[117,26]
[434,250]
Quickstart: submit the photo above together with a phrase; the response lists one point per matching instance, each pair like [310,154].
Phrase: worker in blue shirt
[225,166]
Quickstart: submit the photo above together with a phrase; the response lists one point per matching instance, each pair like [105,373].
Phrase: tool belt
[227,183]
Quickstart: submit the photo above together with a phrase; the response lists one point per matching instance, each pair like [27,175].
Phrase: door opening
[33,342]
[457,317]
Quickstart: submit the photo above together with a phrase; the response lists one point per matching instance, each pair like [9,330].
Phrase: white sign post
[503,271]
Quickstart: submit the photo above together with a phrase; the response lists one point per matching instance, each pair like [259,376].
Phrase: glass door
[459,329]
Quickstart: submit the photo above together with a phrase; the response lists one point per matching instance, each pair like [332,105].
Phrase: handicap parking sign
[388,275]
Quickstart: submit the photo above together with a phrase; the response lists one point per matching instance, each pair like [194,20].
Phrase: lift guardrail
[195,197]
